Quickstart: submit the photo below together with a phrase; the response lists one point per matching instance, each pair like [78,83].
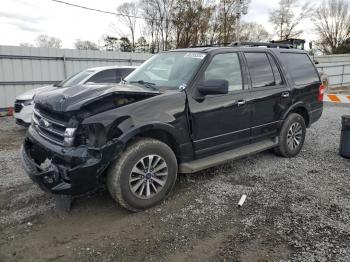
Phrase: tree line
[168,24]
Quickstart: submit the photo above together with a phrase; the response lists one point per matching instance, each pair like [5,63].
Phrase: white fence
[337,68]
[24,68]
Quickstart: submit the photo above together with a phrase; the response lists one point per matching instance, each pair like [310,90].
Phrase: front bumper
[66,171]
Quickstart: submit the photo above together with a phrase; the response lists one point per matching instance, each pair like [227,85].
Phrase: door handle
[285,94]
[241,102]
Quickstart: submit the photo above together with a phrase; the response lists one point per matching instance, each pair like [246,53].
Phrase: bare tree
[164,9]
[129,11]
[254,32]
[287,16]
[332,23]
[149,12]
[48,41]
[86,45]
[227,20]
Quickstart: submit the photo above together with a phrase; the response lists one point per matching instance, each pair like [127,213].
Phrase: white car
[24,104]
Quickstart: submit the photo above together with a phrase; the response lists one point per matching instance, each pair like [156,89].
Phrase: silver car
[24,104]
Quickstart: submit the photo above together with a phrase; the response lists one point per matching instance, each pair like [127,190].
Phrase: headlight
[28,102]
[69,136]
[91,134]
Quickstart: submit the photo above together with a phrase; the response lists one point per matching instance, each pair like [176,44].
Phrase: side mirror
[213,87]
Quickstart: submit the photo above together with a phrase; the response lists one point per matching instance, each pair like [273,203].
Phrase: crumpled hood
[73,98]
[30,93]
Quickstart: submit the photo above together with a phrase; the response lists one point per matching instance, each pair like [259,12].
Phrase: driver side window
[225,67]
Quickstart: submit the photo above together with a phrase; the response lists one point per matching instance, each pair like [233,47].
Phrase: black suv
[180,112]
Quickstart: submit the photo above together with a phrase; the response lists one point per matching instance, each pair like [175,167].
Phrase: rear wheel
[292,136]
[143,175]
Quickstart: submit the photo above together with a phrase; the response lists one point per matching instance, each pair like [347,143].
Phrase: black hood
[74,98]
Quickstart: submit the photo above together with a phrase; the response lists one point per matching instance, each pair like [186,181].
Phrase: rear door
[305,79]
[269,93]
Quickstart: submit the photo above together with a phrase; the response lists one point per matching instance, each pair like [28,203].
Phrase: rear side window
[276,72]
[260,70]
[300,68]
[107,76]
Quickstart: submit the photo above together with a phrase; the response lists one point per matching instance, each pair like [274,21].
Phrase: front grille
[18,106]
[49,128]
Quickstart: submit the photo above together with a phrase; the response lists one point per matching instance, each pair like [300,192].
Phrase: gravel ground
[296,210]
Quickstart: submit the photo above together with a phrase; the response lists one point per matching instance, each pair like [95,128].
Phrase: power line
[102,11]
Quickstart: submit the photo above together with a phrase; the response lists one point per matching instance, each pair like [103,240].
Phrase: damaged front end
[66,171]
[65,156]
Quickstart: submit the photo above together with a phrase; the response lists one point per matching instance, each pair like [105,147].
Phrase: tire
[127,177]
[287,147]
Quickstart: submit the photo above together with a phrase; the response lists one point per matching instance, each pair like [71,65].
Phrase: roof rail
[211,45]
[269,45]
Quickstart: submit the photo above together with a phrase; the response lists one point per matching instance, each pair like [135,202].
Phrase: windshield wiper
[146,84]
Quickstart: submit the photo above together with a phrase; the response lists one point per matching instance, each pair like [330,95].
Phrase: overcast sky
[22,20]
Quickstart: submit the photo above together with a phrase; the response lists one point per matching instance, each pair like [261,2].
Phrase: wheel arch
[160,131]
[301,109]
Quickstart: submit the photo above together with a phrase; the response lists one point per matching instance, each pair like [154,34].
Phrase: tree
[129,12]
[332,23]
[287,16]
[125,45]
[142,44]
[48,42]
[150,14]
[85,45]
[227,20]
[254,32]
[111,43]
[190,22]
[164,9]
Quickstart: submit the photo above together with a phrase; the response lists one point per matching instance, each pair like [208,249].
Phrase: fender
[134,131]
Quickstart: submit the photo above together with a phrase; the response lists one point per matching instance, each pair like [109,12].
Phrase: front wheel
[143,175]
[292,136]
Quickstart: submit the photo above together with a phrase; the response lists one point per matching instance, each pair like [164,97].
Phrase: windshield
[75,79]
[167,70]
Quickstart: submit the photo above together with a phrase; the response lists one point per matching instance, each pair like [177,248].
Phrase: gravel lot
[296,210]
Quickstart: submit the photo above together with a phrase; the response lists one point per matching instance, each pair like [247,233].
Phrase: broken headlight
[90,134]
[69,136]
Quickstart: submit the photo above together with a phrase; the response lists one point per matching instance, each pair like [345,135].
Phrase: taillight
[321,91]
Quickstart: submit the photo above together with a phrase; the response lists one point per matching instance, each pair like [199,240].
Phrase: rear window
[106,76]
[300,68]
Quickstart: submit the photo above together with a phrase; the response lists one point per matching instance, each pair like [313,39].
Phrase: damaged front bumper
[63,170]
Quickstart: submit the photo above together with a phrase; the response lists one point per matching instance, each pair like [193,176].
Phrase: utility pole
[242,9]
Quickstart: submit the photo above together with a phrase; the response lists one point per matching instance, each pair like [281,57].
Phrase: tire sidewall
[291,119]
[133,157]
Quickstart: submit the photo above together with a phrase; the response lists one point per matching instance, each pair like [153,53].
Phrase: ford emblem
[44,123]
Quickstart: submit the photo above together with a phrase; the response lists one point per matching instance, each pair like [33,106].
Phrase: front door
[221,122]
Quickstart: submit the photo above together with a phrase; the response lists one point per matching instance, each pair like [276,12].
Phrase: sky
[21,21]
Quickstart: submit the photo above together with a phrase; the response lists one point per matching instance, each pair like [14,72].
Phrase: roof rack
[250,44]
[211,45]
[269,45]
